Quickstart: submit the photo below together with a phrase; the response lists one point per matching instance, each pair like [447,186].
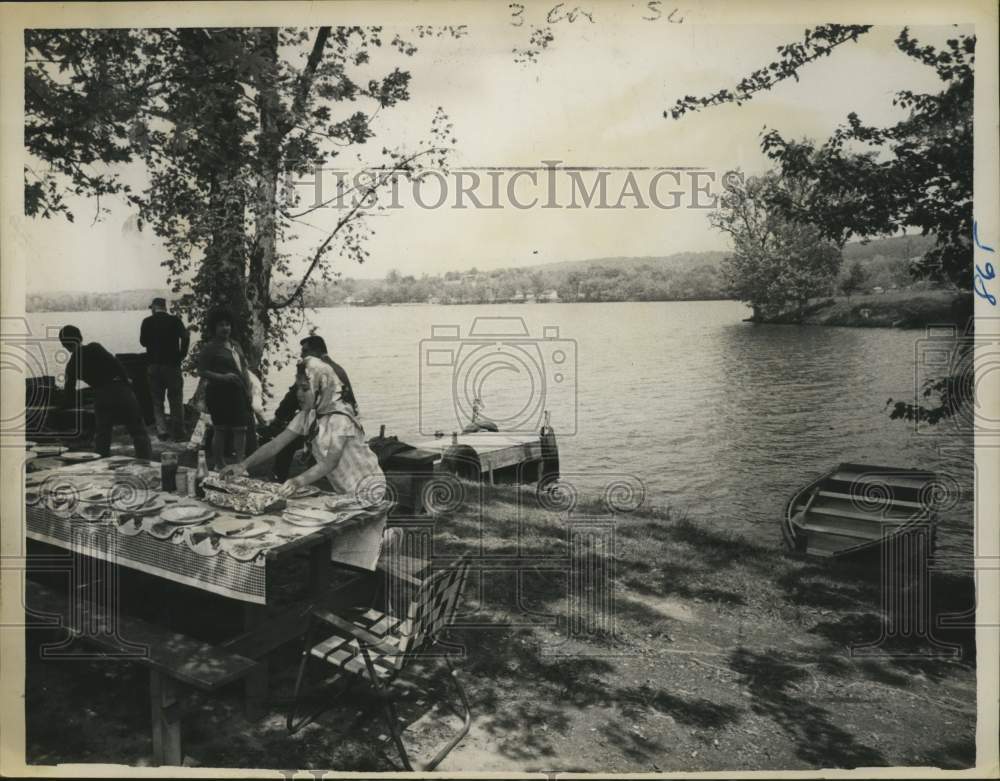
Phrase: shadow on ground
[713,641]
[818,737]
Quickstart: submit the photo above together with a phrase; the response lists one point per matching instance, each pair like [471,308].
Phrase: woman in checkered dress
[334,436]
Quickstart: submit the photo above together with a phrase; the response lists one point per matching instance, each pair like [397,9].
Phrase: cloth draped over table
[191,554]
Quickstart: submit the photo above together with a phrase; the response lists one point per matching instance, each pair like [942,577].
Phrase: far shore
[903,308]
[356,305]
[893,309]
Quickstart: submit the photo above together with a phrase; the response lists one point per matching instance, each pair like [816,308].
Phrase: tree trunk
[265,203]
[222,275]
[221,278]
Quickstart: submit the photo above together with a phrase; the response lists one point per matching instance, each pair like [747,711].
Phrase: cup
[183,475]
[168,471]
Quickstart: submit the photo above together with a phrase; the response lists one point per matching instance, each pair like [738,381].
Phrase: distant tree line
[645,282]
[70,301]
[681,277]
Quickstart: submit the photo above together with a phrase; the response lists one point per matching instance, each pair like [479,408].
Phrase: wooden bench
[174,661]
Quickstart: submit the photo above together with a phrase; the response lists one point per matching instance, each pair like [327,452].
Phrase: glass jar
[168,471]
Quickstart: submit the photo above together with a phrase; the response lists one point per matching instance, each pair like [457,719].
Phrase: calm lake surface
[710,415]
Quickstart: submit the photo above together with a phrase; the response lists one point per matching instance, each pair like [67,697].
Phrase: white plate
[339,504]
[135,470]
[59,495]
[95,495]
[79,455]
[94,513]
[161,530]
[303,523]
[241,551]
[312,513]
[251,528]
[185,514]
[154,505]
[300,518]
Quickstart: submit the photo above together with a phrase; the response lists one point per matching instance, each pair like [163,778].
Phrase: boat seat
[857,533]
[849,509]
[854,497]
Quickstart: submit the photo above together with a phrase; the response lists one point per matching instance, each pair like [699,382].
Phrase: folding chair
[377,646]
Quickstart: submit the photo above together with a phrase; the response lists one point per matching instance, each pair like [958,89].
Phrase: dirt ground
[682,647]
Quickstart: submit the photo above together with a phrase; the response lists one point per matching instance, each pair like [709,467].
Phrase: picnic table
[120,534]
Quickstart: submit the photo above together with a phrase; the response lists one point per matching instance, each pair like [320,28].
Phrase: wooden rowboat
[855,508]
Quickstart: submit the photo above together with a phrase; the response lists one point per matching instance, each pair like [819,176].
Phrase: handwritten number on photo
[984,274]
[982,277]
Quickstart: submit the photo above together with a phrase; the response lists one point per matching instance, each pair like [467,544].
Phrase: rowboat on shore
[855,508]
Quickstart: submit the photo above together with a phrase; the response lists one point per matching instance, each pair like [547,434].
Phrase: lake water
[706,413]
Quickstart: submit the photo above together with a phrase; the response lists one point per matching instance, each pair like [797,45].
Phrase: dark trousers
[115,403]
[166,379]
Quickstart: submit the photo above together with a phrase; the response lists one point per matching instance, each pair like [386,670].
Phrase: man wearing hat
[166,341]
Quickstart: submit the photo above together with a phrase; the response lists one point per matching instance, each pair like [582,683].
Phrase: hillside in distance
[680,261]
[899,247]
[679,276]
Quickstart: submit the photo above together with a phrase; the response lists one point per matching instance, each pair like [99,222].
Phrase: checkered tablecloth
[191,555]
[171,559]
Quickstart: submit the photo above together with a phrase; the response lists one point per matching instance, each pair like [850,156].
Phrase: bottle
[201,474]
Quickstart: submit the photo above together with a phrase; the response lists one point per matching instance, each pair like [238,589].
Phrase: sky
[594,98]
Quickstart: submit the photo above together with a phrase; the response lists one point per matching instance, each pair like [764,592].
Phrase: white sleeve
[300,424]
[341,426]
[256,394]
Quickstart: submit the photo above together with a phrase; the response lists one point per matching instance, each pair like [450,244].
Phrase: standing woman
[227,394]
